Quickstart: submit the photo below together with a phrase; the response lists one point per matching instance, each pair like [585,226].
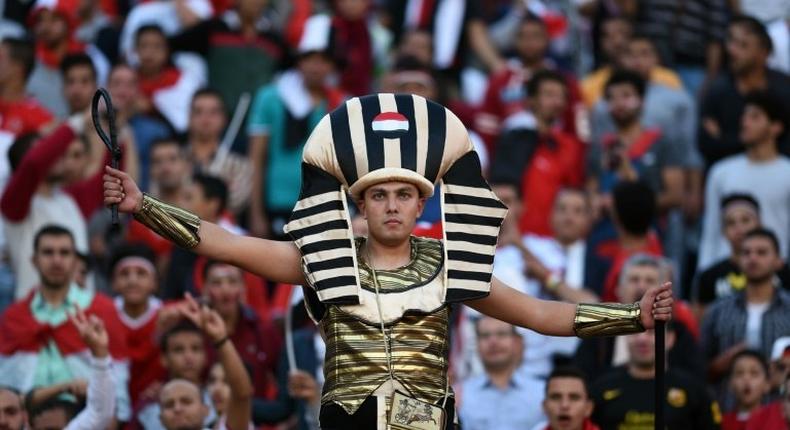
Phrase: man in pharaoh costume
[383,301]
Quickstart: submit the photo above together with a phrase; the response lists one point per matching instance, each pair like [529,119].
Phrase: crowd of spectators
[634,142]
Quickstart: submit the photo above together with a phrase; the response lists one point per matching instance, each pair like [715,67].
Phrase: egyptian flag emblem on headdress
[388,137]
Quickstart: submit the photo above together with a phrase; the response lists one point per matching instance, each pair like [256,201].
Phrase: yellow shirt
[593,85]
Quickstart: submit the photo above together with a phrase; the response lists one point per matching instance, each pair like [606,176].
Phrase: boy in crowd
[749,384]
[133,277]
[567,403]
[183,354]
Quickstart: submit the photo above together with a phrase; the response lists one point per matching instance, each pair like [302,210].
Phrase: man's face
[152,51]
[566,403]
[168,166]
[624,103]
[498,344]
[749,382]
[570,216]
[550,101]
[224,286]
[12,414]
[352,10]
[79,84]
[756,126]
[759,261]
[52,419]
[50,27]
[195,200]
[641,349]
[532,41]
[181,407]
[315,69]
[207,117]
[55,259]
[135,281]
[738,219]
[185,356]
[122,85]
[417,44]
[391,209]
[636,281]
[641,57]
[744,50]
[71,167]
[614,38]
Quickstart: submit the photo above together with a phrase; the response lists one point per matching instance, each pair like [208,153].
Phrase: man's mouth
[564,419]
[392,221]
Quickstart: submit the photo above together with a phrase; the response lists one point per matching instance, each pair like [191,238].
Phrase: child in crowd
[749,384]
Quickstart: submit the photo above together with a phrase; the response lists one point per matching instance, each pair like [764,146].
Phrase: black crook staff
[659,380]
[112,141]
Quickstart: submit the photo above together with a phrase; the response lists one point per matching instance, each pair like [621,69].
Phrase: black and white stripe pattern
[344,150]
[472,215]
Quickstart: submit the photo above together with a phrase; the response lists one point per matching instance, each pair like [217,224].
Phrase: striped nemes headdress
[388,137]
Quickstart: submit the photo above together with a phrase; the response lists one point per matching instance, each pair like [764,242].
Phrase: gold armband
[173,223]
[607,319]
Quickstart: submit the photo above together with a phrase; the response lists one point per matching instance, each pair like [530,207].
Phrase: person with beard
[537,154]
[624,397]
[740,213]
[507,88]
[39,345]
[748,46]
[13,415]
[753,318]
[749,384]
[762,171]
[79,81]
[634,151]
[567,403]
[503,396]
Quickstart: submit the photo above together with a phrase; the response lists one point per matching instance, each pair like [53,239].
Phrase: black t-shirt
[725,278]
[625,403]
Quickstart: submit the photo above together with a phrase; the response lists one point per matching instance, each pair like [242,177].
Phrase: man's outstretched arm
[560,319]
[273,260]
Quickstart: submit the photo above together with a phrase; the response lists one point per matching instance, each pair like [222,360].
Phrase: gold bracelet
[171,222]
[607,319]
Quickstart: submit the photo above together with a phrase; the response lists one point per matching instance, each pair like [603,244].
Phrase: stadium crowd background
[635,142]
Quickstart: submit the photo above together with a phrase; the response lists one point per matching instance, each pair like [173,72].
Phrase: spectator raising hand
[238,412]
[92,332]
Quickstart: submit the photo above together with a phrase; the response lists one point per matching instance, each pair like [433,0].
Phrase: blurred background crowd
[634,142]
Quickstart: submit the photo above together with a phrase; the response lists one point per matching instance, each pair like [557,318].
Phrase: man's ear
[421,206]
[361,207]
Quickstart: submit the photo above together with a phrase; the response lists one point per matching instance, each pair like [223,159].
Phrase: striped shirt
[724,325]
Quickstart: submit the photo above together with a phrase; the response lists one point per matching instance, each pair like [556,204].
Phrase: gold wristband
[607,319]
[173,223]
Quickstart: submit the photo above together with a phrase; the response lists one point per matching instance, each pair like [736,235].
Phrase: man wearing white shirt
[550,267]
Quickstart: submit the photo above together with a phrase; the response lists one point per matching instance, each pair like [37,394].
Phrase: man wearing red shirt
[505,92]
[775,416]
[539,155]
[19,114]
